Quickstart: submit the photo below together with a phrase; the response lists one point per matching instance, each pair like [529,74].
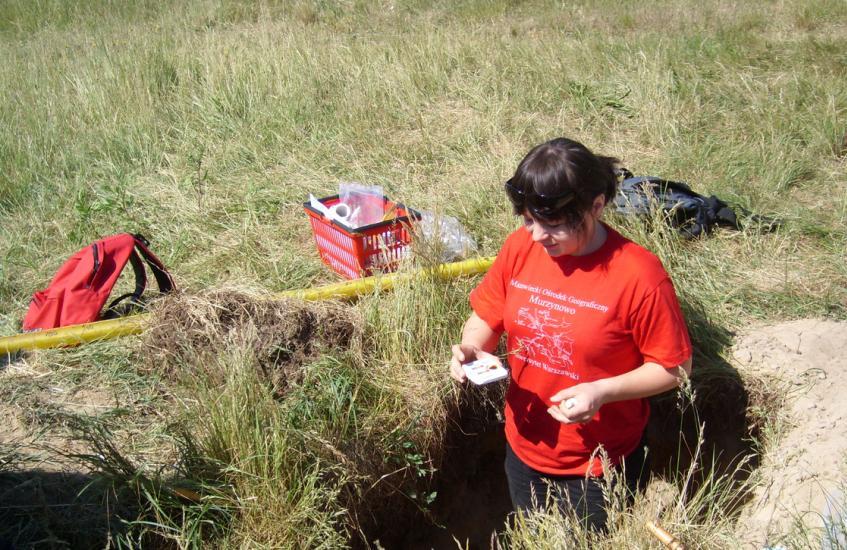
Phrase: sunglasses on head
[540,202]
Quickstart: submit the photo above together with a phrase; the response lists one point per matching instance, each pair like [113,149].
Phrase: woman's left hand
[577,404]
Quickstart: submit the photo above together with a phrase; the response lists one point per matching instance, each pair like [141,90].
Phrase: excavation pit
[705,431]
[713,436]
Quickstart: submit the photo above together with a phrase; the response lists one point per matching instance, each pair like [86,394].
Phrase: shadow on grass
[472,501]
[115,505]
[712,426]
[43,509]
[7,359]
[473,497]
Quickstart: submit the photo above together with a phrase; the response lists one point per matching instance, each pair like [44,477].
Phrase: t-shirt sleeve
[659,328]
[488,299]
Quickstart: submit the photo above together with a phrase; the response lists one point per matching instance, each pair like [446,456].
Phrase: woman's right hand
[475,335]
[465,353]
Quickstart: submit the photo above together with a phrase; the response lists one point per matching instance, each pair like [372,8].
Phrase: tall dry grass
[205,124]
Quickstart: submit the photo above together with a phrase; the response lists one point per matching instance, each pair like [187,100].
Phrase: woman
[593,328]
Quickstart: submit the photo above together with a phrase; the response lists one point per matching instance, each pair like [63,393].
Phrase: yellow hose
[348,289]
[74,334]
[670,541]
[135,324]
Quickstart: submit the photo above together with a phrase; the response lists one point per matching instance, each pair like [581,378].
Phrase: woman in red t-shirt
[593,328]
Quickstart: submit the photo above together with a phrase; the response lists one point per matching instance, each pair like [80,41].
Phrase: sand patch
[806,462]
[36,409]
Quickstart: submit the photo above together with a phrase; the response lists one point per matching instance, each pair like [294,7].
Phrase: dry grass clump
[190,330]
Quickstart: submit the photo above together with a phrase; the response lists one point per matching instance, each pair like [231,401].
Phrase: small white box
[484,371]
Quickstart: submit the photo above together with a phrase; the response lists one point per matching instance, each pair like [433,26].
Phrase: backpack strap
[709,212]
[163,278]
[623,173]
[140,274]
[134,297]
[723,214]
[137,258]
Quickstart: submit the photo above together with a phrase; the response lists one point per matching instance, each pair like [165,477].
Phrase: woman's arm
[478,340]
[581,402]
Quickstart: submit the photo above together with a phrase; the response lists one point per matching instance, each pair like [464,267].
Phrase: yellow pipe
[135,324]
[670,541]
[348,289]
[74,334]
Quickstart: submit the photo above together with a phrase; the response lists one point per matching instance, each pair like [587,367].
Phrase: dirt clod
[190,330]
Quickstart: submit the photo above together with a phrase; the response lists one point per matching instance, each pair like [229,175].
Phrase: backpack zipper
[96,265]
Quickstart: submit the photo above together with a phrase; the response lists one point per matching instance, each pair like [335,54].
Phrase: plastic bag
[454,243]
[365,203]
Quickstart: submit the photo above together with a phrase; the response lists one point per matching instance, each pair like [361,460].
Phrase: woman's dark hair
[559,180]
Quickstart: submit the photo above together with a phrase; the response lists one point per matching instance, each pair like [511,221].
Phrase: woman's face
[560,240]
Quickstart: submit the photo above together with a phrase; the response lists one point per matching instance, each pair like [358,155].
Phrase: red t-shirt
[575,319]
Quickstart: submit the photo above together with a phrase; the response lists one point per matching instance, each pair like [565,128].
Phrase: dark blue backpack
[688,212]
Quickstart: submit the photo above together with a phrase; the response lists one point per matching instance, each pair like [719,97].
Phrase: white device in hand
[485,370]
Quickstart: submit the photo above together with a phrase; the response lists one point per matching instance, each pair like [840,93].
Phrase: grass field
[204,125]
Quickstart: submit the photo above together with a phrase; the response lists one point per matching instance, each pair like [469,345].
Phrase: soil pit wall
[714,435]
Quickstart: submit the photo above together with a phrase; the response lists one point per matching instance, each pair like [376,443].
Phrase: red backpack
[83,283]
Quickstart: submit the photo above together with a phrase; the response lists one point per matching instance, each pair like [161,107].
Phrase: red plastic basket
[360,252]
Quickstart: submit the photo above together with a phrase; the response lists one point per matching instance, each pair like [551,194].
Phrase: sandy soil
[44,441]
[805,465]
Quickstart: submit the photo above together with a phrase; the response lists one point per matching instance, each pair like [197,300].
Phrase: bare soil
[34,410]
[190,332]
[804,461]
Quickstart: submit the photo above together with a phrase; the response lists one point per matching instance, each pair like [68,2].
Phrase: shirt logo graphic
[551,339]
